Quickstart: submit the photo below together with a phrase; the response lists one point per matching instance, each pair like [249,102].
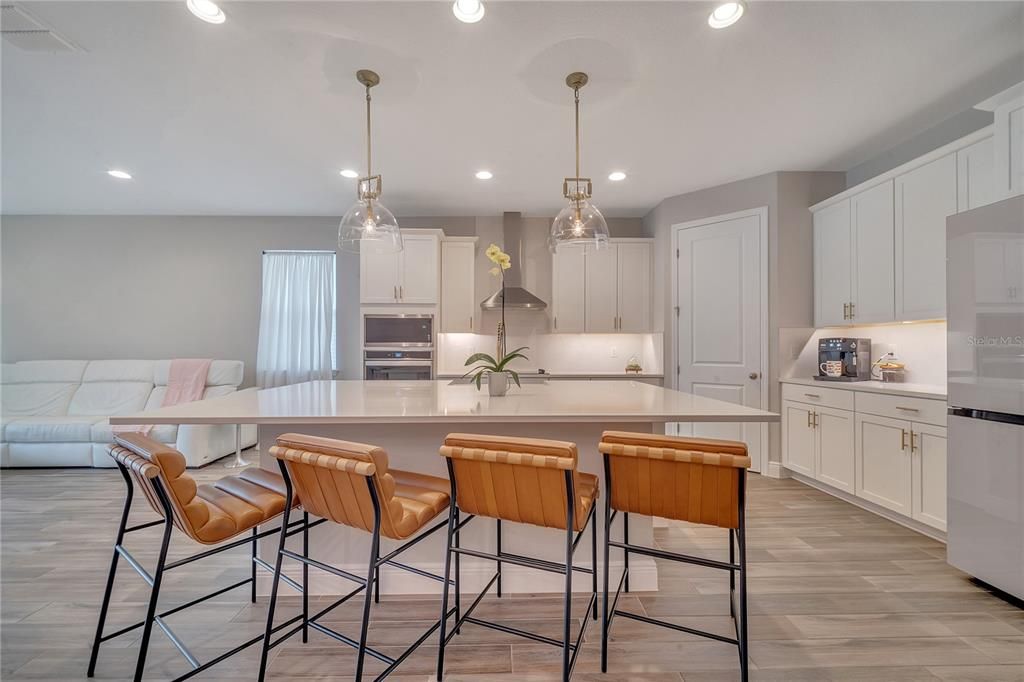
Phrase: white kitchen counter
[410,420]
[908,390]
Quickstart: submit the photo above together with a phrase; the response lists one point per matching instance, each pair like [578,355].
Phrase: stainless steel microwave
[398,331]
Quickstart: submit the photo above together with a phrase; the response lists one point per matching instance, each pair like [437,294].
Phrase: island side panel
[414,447]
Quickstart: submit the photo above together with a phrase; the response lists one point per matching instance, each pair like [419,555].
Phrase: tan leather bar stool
[523,480]
[686,479]
[206,514]
[351,484]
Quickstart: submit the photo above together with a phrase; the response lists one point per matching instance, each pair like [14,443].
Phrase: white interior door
[721,308]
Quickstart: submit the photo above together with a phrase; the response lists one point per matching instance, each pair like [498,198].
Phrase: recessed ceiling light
[616,176]
[119,174]
[348,173]
[468,11]
[484,175]
[726,13]
[207,10]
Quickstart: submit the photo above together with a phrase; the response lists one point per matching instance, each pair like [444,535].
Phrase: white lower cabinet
[798,432]
[834,447]
[883,462]
[887,450]
[928,444]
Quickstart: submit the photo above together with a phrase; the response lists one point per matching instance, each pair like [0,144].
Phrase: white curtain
[297,318]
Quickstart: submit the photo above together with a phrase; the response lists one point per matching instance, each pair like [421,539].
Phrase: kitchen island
[410,420]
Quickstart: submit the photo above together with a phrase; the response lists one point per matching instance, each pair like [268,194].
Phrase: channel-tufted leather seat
[330,475]
[519,479]
[206,513]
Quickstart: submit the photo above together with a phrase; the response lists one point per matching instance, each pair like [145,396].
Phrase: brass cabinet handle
[470,321]
[556,321]
[394,292]
[903,439]
[846,313]
[812,395]
[851,311]
[809,425]
[816,415]
[913,441]
[907,409]
[401,294]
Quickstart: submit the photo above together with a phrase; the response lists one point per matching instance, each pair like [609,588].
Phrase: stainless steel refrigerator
[985,348]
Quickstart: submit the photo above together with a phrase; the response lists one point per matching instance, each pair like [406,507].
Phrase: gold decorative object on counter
[633,366]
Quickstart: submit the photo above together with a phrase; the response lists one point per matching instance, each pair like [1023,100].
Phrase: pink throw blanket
[186,381]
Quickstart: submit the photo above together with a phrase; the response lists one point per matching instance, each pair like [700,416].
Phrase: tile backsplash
[557,353]
[920,345]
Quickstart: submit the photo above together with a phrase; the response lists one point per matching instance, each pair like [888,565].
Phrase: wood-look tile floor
[836,593]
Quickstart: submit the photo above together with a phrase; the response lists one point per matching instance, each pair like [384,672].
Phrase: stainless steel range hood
[515,295]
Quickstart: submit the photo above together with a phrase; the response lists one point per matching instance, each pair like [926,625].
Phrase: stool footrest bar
[680,628]
[289,581]
[672,556]
[324,567]
[344,639]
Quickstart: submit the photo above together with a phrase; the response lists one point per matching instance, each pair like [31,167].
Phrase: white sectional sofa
[53,413]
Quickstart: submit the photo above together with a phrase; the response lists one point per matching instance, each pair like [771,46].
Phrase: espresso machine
[844,359]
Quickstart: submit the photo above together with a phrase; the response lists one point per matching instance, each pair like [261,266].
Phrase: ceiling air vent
[23,31]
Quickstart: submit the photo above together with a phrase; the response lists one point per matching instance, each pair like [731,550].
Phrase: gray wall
[790,254]
[97,287]
[951,129]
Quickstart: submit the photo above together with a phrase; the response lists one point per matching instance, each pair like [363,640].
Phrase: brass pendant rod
[369,157]
[576,93]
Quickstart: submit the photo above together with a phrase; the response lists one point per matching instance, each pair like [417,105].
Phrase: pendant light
[580,222]
[369,225]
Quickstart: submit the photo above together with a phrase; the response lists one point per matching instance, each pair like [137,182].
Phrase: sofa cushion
[43,371]
[104,398]
[119,370]
[44,399]
[49,430]
[222,372]
[165,433]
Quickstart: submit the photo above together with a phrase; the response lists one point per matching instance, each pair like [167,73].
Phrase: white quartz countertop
[571,375]
[907,390]
[392,402]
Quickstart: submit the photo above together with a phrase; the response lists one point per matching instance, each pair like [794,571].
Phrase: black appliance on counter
[854,356]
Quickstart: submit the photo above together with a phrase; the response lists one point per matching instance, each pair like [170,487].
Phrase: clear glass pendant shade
[369,226]
[579,223]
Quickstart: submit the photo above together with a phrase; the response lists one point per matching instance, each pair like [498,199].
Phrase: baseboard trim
[776,470]
[643,577]
[878,510]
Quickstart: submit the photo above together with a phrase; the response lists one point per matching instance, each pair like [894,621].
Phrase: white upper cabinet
[568,289]
[458,294]
[976,170]
[925,197]
[602,299]
[871,220]
[832,265]
[603,290]
[411,276]
[634,275]
[1007,109]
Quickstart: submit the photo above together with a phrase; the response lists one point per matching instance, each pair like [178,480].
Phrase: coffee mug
[832,368]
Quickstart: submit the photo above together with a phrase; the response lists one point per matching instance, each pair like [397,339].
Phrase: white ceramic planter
[497,383]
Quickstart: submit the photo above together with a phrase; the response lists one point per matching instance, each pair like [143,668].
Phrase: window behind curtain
[298,318]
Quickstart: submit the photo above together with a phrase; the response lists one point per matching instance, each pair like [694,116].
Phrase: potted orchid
[495,368]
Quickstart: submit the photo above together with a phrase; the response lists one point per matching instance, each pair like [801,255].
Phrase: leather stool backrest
[148,460]
[514,479]
[330,478]
[686,479]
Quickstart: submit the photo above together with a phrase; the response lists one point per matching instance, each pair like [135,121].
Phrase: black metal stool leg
[371,582]
[593,560]
[147,628]
[732,574]
[570,524]
[499,554]
[625,540]
[458,572]
[252,567]
[305,577]
[444,593]
[113,570]
[277,575]
[741,535]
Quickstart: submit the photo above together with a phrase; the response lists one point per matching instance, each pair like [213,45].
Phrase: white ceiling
[257,116]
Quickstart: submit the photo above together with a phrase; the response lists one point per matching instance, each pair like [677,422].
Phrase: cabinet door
[798,438]
[925,197]
[458,296]
[1013,260]
[928,445]
[378,277]
[874,287]
[420,267]
[634,284]
[1009,153]
[884,462]
[602,288]
[832,248]
[976,181]
[834,440]
[568,290]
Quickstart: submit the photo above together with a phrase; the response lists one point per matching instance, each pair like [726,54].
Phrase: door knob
[754,375]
